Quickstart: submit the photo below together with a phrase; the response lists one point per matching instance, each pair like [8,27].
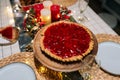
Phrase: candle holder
[37,16]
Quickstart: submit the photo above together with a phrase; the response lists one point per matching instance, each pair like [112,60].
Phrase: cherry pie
[66,41]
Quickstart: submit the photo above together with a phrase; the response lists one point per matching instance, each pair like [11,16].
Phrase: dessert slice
[66,41]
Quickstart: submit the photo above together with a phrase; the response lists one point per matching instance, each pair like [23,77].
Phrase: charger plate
[97,72]
[108,56]
[20,71]
[23,57]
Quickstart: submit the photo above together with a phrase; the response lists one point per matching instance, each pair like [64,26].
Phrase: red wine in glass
[9,33]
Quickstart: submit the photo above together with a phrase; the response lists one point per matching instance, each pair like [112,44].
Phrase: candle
[55,12]
[46,16]
[38,7]
[47,4]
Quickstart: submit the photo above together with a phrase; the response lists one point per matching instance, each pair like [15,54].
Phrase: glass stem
[81,17]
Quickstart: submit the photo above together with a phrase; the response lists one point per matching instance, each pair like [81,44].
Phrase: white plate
[108,57]
[17,71]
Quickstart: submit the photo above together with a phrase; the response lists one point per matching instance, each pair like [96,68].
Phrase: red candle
[38,7]
[25,8]
[55,12]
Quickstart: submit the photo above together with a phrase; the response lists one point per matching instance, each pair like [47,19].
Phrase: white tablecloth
[95,24]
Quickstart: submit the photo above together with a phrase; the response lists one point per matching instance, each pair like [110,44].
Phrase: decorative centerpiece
[40,14]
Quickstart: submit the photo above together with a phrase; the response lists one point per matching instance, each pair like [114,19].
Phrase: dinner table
[95,24]
[8,16]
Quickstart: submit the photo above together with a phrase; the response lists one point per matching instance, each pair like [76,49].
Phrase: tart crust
[68,59]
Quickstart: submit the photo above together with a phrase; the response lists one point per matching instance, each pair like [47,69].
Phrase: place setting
[59,48]
[108,53]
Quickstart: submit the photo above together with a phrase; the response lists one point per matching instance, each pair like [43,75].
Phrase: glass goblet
[8,35]
[82,5]
[87,66]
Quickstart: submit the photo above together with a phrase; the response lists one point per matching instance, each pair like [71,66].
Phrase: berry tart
[63,43]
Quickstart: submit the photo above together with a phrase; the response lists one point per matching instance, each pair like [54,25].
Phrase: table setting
[37,22]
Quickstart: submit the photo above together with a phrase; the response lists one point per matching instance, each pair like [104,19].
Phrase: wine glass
[8,35]
[87,66]
[82,5]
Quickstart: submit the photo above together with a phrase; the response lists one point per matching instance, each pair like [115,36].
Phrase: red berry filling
[66,40]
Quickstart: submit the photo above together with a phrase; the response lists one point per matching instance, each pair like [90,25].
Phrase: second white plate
[108,57]
[17,71]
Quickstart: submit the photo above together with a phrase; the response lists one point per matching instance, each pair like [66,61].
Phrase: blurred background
[109,11]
